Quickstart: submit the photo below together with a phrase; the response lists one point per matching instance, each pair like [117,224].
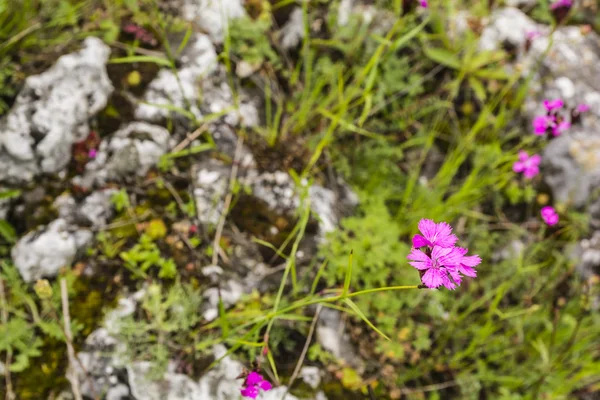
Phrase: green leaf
[478,88]
[492,73]
[9,194]
[142,59]
[7,231]
[442,56]
[358,312]
[348,277]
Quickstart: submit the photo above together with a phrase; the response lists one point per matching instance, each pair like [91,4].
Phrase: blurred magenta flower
[140,34]
[561,127]
[529,166]
[530,35]
[436,266]
[542,123]
[549,215]
[434,234]
[423,3]
[561,4]
[583,108]
[253,384]
[439,262]
[553,104]
[92,153]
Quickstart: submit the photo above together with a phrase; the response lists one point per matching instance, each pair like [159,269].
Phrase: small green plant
[145,255]
[168,317]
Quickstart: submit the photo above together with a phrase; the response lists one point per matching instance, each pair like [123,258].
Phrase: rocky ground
[68,195]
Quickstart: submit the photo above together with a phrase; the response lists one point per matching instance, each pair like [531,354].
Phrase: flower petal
[253,378]
[419,259]
[443,236]
[433,278]
[427,228]
[518,166]
[446,281]
[250,391]
[420,241]
[447,257]
[265,385]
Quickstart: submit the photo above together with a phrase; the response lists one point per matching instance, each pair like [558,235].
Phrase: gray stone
[332,336]
[171,387]
[213,16]
[131,151]
[220,383]
[507,26]
[199,59]
[229,293]
[212,182]
[311,376]
[42,253]
[95,210]
[52,112]
[292,32]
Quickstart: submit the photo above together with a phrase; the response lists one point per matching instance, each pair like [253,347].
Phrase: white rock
[213,15]
[52,112]
[212,182]
[132,150]
[230,292]
[293,30]
[199,59]
[96,209]
[507,25]
[311,376]
[42,253]
[220,383]
[171,387]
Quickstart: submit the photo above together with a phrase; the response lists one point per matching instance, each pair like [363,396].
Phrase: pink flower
[434,235]
[583,108]
[560,128]
[553,104]
[443,266]
[549,215]
[465,266]
[542,123]
[532,34]
[423,3]
[436,266]
[529,166]
[439,262]
[253,384]
[561,4]
[92,153]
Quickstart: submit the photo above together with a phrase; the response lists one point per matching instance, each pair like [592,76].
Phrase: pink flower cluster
[554,123]
[253,384]
[561,4]
[423,3]
[549,215]
[551,122]
[140,34]
[438,260]
[529,166]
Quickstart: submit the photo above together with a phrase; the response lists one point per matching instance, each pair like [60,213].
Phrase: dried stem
[10,395]
[71,372]
[232,176]
[311,331]
[189,138]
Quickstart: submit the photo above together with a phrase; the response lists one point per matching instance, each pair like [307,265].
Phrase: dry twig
[10,395]
[232,176]
[71,372]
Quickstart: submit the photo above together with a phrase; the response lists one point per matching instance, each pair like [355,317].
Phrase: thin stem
[10,395]
[71,373]
[311,331]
